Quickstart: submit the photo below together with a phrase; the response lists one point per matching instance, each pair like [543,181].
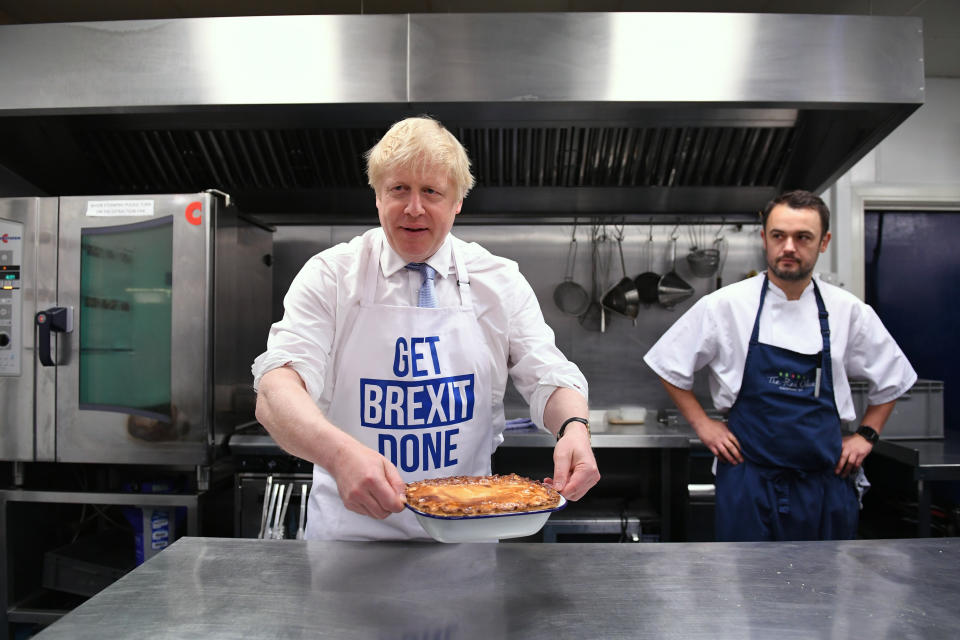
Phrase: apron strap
[463,278]
[824,325]
[755,334]
[370,273]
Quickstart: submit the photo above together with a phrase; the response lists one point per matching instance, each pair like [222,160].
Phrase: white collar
[441,261]
[780,294]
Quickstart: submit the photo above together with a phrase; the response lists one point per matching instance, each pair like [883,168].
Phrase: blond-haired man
[391,360]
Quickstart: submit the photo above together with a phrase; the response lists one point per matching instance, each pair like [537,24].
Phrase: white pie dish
[486,527]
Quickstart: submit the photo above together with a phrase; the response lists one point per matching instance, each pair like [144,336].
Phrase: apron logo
[401,404]
[786,381]
[423,408]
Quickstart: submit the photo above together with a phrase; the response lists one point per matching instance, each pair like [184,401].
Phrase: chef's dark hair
[799,199]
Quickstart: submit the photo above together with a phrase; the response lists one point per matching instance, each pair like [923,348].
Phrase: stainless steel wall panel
[665,57]
[125,65]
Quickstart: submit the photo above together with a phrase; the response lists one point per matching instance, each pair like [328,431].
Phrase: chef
[780,349]
[391,360]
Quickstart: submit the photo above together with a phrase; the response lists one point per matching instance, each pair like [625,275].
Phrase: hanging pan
[648,282]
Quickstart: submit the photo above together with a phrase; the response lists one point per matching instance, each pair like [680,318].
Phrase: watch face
[869,433]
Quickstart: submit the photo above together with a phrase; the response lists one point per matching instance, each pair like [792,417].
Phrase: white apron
[415,385]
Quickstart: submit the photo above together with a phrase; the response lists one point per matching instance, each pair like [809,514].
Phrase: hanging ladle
[720,244]
[595,317]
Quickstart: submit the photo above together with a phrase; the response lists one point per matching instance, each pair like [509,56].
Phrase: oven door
[28,274]
[134,385]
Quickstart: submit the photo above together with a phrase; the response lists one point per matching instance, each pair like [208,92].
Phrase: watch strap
[868,433]
[563,427]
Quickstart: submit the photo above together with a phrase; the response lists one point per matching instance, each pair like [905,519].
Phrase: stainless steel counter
[604,436]
[226,588]
[931,461]
[254,440]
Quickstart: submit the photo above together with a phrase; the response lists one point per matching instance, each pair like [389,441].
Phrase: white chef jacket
[715,333]
[324,296]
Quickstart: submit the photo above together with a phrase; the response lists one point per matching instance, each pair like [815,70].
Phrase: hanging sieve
[569,296]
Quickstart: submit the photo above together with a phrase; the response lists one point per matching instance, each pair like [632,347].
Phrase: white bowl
[484,528]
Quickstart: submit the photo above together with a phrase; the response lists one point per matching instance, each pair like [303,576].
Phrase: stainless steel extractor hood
[564,114]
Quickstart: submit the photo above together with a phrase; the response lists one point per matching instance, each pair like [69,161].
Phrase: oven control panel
[11,297]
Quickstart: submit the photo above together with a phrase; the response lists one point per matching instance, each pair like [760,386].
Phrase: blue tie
[428,297]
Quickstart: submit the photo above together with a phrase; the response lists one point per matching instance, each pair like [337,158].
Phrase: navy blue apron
[786,421]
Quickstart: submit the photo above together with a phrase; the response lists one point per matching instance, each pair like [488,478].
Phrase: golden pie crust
[480,495]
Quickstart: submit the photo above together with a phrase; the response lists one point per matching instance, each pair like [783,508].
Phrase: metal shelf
[42,607]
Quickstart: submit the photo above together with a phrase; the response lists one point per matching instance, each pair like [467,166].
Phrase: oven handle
[59,319]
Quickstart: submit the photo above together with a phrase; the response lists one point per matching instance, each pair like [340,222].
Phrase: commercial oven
[128,325]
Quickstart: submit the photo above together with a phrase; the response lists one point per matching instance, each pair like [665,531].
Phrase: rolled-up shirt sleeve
[536,366]
[874,355]
[686,347]
[303,339]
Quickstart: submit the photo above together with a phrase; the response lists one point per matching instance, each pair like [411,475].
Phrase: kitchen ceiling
[619,112]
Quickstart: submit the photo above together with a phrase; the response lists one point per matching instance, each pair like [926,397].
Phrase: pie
[480,495]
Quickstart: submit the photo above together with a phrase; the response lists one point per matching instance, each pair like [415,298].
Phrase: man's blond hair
[418,144]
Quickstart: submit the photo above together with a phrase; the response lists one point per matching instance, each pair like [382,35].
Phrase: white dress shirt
[715,334]
[325,294]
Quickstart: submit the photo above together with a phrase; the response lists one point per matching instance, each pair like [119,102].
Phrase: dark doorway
[912,281]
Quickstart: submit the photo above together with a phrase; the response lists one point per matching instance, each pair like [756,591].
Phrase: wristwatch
[563,427]
[869,434]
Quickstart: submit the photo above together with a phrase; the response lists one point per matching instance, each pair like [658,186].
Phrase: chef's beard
[801,273]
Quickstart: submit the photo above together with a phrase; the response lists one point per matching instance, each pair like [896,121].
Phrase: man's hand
[368,484]
[720,440]
[713,433]
[855,448]
[574,467]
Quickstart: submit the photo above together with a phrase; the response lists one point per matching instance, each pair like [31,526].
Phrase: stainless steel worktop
[931,458]
[605,436]
[229,588]
[254,440]
[931,461]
